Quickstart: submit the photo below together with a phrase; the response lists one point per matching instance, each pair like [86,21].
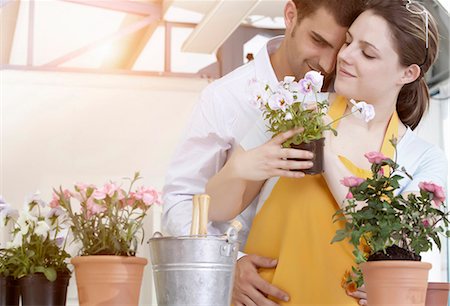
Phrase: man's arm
[201,153]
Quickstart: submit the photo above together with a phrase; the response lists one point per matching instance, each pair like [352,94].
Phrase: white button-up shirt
[220,121]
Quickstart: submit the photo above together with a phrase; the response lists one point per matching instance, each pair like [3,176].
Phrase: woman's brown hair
[407,21]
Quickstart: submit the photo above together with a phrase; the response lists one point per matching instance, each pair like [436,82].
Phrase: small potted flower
[389,231]
[9,286]
[36,256]
[107,223]
[290,104]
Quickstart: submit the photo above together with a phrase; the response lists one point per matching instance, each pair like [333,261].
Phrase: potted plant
[9,287]
[437,294]
[290,104]
[36,257]
[389,231]
[107,224]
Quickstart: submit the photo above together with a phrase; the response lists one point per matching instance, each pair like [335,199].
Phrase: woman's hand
[270,160]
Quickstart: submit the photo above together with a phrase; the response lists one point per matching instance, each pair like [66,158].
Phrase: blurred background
[94,90]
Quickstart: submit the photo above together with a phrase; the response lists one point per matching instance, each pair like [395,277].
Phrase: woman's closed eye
[367,55]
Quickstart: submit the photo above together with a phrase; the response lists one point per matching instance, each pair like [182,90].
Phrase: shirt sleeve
[201,153]
[433,167]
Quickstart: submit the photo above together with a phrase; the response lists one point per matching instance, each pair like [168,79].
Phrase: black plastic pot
[316,147]
[9,291]
[38,290]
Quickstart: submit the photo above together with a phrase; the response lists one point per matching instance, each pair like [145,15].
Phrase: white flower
[41,229]
[288,116]
[6,213]
[17,242]
[24,221]
[362,110]
[281,99]
[259,93]
[288,79]
[316,79]
[34,198]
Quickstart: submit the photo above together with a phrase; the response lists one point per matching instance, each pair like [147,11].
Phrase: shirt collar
[263,66]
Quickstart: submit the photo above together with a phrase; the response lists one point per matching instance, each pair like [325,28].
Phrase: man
[315,31]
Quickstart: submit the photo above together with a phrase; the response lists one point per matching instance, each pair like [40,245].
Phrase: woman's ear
[290,16]
[410,74]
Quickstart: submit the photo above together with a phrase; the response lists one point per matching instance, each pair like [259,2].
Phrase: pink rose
[349,196]
[351,181]
[436,190]
[375,157]
[426,223]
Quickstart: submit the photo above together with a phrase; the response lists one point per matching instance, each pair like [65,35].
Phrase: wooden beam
[218,25]
[119,34]
[127,49]
[9,12]
[130,7]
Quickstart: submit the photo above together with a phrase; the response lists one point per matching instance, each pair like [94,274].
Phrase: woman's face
[368,66]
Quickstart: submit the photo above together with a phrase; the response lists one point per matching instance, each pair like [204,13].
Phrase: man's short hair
[344,11]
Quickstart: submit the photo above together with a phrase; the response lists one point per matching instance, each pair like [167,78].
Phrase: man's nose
[328,63]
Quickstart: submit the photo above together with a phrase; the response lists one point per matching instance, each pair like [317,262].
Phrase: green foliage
[310,119]
[40,255]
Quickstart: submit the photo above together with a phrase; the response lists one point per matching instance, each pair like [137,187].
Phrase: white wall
[62,128]
[435,129]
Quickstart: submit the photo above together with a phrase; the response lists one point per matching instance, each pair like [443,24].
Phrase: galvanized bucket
[194,270]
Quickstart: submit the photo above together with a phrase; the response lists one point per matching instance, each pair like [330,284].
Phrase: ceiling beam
[127,49]
[130,7]
[112,37]
[9,12]
[217,25]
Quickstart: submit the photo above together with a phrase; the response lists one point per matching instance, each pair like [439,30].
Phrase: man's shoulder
[236,80]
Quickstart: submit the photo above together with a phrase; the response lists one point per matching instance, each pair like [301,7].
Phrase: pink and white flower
[147,195]
[362,110]
[316,80]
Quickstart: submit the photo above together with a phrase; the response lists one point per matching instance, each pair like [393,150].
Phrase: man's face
[314,43]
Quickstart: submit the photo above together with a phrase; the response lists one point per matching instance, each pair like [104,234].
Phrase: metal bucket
[194,270]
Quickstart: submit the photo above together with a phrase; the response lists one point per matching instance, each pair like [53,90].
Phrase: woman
[388,49]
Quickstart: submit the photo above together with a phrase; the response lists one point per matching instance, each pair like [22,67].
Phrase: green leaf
[340,235]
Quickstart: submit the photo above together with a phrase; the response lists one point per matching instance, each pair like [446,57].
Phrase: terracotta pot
[396,282]
[316,147]
[108,280]
[437,294]
[9,291]
[38,290]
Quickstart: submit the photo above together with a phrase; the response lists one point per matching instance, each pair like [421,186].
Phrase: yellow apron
[295,225]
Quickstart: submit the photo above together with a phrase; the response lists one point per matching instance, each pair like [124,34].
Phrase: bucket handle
[232,234]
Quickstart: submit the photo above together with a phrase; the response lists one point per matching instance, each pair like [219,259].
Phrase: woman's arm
[234,187]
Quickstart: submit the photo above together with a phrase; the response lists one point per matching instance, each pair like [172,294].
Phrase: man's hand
[249,288]
[360,294]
